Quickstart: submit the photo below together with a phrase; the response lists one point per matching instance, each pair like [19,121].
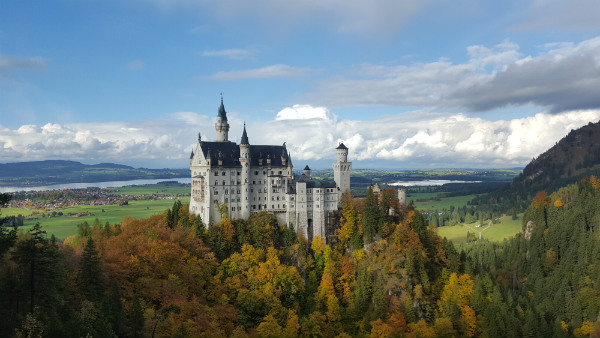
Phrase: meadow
[65,226]
[438,204]
[506,228]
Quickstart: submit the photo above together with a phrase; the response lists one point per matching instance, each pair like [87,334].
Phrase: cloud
[136,65]
[14,63]
[302,112]
[418,139]
[563,77]
[368,19]
[273,71]
[235,54]
[422,139]
[561,14]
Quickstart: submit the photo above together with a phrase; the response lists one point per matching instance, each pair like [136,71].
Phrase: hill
[58,171]
[573,157]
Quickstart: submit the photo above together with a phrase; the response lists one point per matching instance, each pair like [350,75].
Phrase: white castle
[247,178]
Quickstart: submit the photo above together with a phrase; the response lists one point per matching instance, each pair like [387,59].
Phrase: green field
[443,203]
[150,189]
[65,226]
[496,232]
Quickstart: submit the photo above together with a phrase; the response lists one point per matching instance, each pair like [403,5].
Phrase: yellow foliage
[318,245]
[585,330]
[379,329]
[421,330]
[269,328]
[558,203]
[564,326]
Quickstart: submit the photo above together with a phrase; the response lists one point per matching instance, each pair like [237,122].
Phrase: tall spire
[222,113]
[244,136]
[222,127]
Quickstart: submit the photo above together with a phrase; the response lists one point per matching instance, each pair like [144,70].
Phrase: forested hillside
[380,276]
[574,157]
[170,276]
[544,282]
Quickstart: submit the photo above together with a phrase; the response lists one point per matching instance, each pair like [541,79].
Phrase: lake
[108,184]
[428,183]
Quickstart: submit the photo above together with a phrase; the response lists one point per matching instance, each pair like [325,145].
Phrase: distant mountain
[573,157]
[59,171]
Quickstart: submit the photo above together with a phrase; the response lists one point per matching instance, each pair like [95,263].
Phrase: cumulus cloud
[565,76]
[302,112]
[412,140]
[423,139]
[235,54]
[32,63]
[273,71]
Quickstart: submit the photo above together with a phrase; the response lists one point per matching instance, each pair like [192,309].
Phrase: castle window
[227,200]
[216,192]
[272,172]
[251,189]
[256,173]
[216,173]
[232,208]
[223,173]
[272,206]
[223,182]
[279,172]
[264,172]
[253,182]
[226,192]
[238,173]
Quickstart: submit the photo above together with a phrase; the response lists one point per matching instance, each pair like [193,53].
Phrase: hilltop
[575,156]
[59,171]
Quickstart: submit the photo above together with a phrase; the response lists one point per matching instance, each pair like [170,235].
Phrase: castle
[246,178]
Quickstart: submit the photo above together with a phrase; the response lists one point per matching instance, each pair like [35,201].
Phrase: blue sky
[405,84]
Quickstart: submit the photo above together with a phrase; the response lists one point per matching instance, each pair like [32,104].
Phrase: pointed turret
[222,127]
[244,136]
[222,113]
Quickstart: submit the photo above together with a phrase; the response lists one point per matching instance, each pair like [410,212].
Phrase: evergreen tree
[371,216]
[90,280]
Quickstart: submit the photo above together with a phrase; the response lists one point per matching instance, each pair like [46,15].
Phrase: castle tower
[245,162]
[307,172]
[341,170]
[222,127]
[402,196]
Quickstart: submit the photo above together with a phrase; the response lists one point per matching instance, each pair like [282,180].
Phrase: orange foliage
[540,200]
[558,203]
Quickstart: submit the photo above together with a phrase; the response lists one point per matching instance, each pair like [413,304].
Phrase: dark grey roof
[244,136]
[222,113]
[192,155]
[229,154]
[341,146]
[306,168]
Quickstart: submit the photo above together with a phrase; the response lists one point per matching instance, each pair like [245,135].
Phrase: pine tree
[89,278]
[370,216]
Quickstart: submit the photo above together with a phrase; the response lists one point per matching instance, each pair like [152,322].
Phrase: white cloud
[260,73]
[415,139]
[564,77]
[301,112]
[235,54]
[136,65]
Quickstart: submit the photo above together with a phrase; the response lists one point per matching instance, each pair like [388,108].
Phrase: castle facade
[239,180]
